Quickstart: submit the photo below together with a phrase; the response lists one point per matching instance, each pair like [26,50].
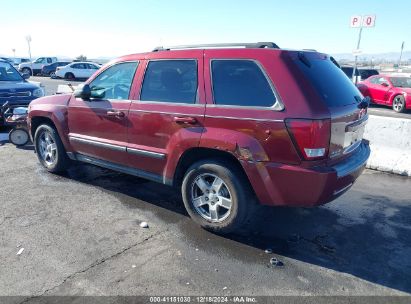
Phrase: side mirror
[83,92]
[25,75]
[384,84]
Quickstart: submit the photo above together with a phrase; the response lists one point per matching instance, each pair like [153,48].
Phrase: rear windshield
[329,80]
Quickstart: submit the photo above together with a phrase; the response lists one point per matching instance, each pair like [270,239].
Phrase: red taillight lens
[311,137]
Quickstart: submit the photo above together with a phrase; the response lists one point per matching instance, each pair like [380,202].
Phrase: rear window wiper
[304,59]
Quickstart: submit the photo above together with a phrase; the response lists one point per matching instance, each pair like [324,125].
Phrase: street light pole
[28,38]
[14,54]
[399,61]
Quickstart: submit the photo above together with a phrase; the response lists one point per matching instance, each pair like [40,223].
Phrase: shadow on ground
[371,240]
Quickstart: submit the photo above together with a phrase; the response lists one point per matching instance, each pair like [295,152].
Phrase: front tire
[50,149]
[398,104]
[217,196]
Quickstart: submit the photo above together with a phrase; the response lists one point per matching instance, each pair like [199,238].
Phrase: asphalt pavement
[81,236]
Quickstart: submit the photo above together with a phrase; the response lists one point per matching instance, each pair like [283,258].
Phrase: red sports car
[394,91]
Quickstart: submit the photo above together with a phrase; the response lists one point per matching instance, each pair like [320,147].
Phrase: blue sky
[113,28]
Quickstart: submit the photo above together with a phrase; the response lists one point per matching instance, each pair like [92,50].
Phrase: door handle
[112,113]
[185,120]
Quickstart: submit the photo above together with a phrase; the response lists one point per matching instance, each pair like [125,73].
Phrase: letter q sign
[362,21]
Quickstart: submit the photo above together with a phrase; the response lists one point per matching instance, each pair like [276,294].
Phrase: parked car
[227,126]
[7,59]
[81,70]
[392,91]
[361,73]
[34,68]
[14,89]
[50,70]
[17,61]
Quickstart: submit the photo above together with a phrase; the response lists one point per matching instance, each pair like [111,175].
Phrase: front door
[98,127]
[381,89]
[167,116]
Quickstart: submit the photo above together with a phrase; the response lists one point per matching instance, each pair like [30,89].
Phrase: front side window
[170,81]
[240,83]
[382,80]
[114,82]
[40,60]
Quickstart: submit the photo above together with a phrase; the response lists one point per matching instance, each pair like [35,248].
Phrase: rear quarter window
[329,80]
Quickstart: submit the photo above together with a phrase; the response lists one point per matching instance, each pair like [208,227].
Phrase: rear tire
[69,76]
[50,149]
[217,196]
[398,104]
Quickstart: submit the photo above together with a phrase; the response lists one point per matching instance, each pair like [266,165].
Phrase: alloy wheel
[211,197]
[47,148]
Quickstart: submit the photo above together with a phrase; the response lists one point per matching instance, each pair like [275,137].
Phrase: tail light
[311,137]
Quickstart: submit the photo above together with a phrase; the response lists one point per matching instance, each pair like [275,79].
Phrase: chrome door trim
[118,148]
[98,144]
[145,153]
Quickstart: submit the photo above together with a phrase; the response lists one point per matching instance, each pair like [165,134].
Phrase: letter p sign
[356,21]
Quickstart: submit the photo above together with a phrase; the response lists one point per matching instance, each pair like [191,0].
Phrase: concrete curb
[390,142]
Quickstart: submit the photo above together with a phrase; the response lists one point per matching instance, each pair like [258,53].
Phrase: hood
[13,86]
[60,99]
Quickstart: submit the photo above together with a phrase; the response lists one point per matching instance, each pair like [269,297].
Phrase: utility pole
[354,72]
[399,61]
[14,54]
[28,38]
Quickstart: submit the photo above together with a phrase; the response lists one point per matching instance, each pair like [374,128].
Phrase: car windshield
[401,82]
[9,73]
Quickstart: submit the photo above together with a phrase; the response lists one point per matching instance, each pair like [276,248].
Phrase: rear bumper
[285,185]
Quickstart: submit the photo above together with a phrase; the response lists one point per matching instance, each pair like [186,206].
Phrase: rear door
[341,97]
[167,115]
[244,110]
[98,127]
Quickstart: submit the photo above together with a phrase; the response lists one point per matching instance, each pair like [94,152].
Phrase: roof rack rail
[258,45]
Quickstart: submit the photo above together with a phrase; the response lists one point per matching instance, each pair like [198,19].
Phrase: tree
[81,58]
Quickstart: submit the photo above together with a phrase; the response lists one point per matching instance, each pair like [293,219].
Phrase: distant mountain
[391,56]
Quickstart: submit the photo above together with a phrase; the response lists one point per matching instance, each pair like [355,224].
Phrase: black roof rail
[258,45]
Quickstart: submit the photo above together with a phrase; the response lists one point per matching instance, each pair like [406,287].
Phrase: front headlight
[38,92]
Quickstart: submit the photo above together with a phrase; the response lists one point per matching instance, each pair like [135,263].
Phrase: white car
[34,68]
[77,70]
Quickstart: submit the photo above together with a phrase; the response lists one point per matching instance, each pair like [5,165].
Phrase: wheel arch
[36,121]
[194,155]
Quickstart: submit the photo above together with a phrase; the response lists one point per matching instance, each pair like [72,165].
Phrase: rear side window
[170,81]
[329,80]
[240,83]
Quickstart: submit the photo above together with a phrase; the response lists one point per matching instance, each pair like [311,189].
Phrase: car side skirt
[120,168]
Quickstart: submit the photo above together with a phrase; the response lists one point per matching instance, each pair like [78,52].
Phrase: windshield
[9,73]
[401,82]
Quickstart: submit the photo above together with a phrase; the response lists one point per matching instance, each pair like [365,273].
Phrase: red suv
[229,126]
